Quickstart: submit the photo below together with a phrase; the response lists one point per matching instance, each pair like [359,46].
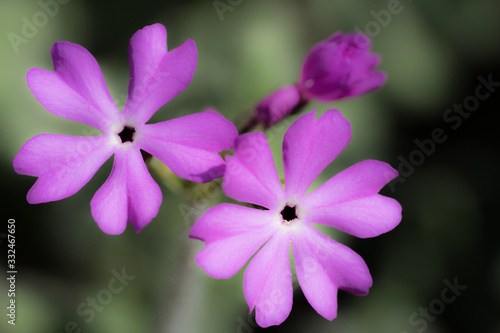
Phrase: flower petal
[359,180]
[323,266]
[64,164]
[363,78]
[310,145]
[146,50]
[349,201]
[206,130]
[130,193]
[232,235]
[76,90]
[189,145]
[367,84]
[364,217]
[156,76]
[363,65]
[251,174]
[268,282]
[109,204]
[144,194]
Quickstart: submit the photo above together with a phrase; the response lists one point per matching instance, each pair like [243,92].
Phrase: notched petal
[129,194]
[310,145]
[232,235]
[349,201]
[63,164]
[156,75]
[268,282]
[323,266]
[251,174]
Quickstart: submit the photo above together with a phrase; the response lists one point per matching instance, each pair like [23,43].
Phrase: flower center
[127,134]
[289,214]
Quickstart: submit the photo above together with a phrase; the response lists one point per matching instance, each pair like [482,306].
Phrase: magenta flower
[349,201]
[339,67]
[76,91]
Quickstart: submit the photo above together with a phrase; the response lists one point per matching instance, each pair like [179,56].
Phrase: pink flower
[339,67]
[349,201]
[76,91]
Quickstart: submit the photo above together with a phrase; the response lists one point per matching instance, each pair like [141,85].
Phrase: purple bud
[277,105]
[341,66]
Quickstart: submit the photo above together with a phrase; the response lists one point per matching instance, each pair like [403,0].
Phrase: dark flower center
[289,213]
[127,134]
[146,156]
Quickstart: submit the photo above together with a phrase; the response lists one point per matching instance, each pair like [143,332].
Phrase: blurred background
[434,53]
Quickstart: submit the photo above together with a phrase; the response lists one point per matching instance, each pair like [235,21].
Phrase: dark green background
[433,52]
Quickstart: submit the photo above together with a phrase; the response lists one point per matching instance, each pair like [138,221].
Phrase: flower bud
[341,66]
[277,105]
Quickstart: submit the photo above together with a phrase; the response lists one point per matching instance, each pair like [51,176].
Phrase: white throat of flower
[124,134]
